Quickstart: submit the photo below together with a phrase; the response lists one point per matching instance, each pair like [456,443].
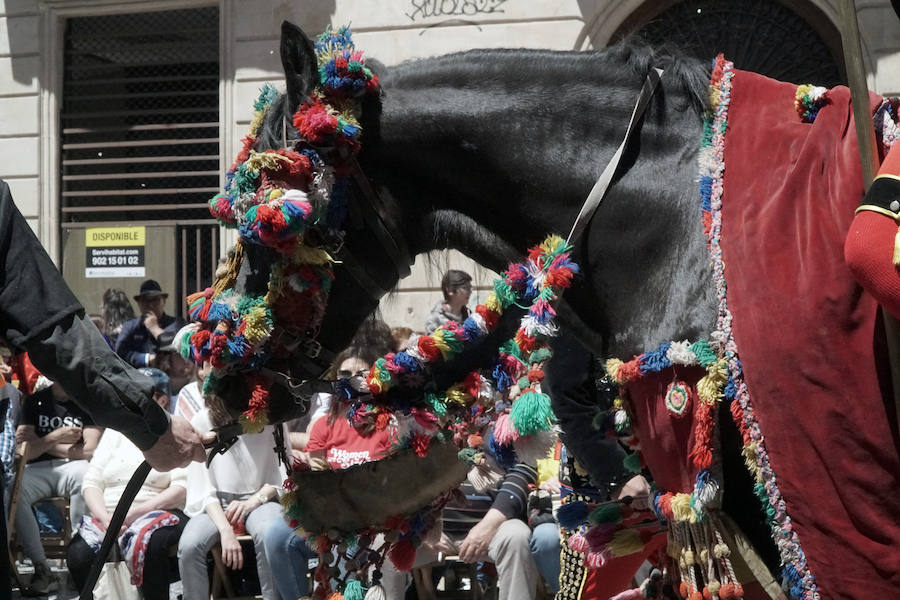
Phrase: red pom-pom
[403,554]
[706,593]
[535,375]
[428,349]
[475,441]
[526,342]
[419,444]
[704,424]
[738,590]
[629,371]
[696,596]
[683,589]
[489,316]
[726,591]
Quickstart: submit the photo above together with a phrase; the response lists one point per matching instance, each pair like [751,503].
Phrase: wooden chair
[425,589]
[55,544]
[221,584]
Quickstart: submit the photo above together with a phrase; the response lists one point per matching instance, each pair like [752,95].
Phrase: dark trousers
[159,567]
[5,583]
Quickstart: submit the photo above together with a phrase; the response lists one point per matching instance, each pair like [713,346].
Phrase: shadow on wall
[312,17]
[19,35]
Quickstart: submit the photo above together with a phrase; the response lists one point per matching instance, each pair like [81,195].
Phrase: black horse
[488,151]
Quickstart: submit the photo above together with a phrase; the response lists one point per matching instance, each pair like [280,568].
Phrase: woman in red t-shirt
[335,443]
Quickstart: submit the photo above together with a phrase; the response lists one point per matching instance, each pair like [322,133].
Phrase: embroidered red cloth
[808,336]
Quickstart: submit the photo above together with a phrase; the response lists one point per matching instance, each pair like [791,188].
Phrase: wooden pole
[865,135]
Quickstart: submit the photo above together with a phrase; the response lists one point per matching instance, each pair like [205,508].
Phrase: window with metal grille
[140,117]
[140,132]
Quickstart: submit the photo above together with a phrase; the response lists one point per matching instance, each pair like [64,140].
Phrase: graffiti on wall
[424,9]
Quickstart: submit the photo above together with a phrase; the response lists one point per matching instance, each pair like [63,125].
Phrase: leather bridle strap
[389,236]
[112,532]
[603,182]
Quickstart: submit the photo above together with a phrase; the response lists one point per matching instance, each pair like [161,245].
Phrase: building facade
[119,114]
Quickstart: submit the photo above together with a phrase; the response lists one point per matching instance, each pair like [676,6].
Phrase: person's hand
[104,523]
[178,446]
[26,434]
[638,488]
[68,435]
[151,323]
[237,511]
[442,545]
[232,555]
[475,547]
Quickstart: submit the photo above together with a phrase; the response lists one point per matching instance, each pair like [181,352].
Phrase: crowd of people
[178,517]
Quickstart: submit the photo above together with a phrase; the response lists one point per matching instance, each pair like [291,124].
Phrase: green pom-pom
[506,296]
[632,462]
[354,591]
[705,354]
[436,402]
[540,355]
[531,413]
[467,455]
[245,180]
[606,513]
[523,383]
[512,348]
[211,384]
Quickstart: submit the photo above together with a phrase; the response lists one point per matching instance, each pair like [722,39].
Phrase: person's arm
[238,510]
[84,448]
[170,497]
[56,443]
[125,346]
[93,499]
[298,439]
[38,312]
[510,503]
[231,548]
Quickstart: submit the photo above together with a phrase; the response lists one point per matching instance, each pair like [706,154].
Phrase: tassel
[403,554]
[606,513]
[531,413]
[633,462]
[354,590]
[897,248]
[577,543]
[599,537]
[626,542]
[376,592]
[572,514]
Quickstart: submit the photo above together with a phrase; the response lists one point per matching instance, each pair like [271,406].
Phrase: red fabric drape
[807,333]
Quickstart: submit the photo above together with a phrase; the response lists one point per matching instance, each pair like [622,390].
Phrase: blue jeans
[545,549]
[288,556]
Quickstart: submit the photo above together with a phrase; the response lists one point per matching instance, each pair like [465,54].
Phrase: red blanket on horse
[809,338]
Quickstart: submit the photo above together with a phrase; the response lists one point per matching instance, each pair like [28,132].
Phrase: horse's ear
[298,57]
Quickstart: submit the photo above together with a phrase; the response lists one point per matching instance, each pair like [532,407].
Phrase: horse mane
[630,59]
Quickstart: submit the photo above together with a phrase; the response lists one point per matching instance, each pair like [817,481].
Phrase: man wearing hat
[139,341]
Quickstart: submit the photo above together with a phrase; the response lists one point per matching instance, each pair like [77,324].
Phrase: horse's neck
[491,170]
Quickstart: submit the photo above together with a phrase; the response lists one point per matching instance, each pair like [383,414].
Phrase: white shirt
[241,471]
[189,401]
[113,463]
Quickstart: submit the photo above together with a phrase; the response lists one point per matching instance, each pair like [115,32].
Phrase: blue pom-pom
[407,362]
[572,514]
[504,455]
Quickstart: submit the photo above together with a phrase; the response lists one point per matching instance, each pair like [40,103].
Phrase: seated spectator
[237,493]
[61,439]
[139,340]
[10,410]
[180,371]
[153,523]
[491,525]
[190,401]
[115,311]
[457,288]
[332,436]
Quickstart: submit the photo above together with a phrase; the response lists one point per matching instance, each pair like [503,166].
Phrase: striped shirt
[511,499]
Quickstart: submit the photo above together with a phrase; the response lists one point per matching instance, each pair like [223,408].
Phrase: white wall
[20,104]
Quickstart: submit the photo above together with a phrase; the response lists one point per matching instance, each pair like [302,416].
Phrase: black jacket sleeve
[40,313]
[575,401]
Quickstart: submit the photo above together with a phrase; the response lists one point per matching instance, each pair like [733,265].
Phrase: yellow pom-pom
[626,542]
[612,367]
[257,326]
[681,508]
[491,303]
